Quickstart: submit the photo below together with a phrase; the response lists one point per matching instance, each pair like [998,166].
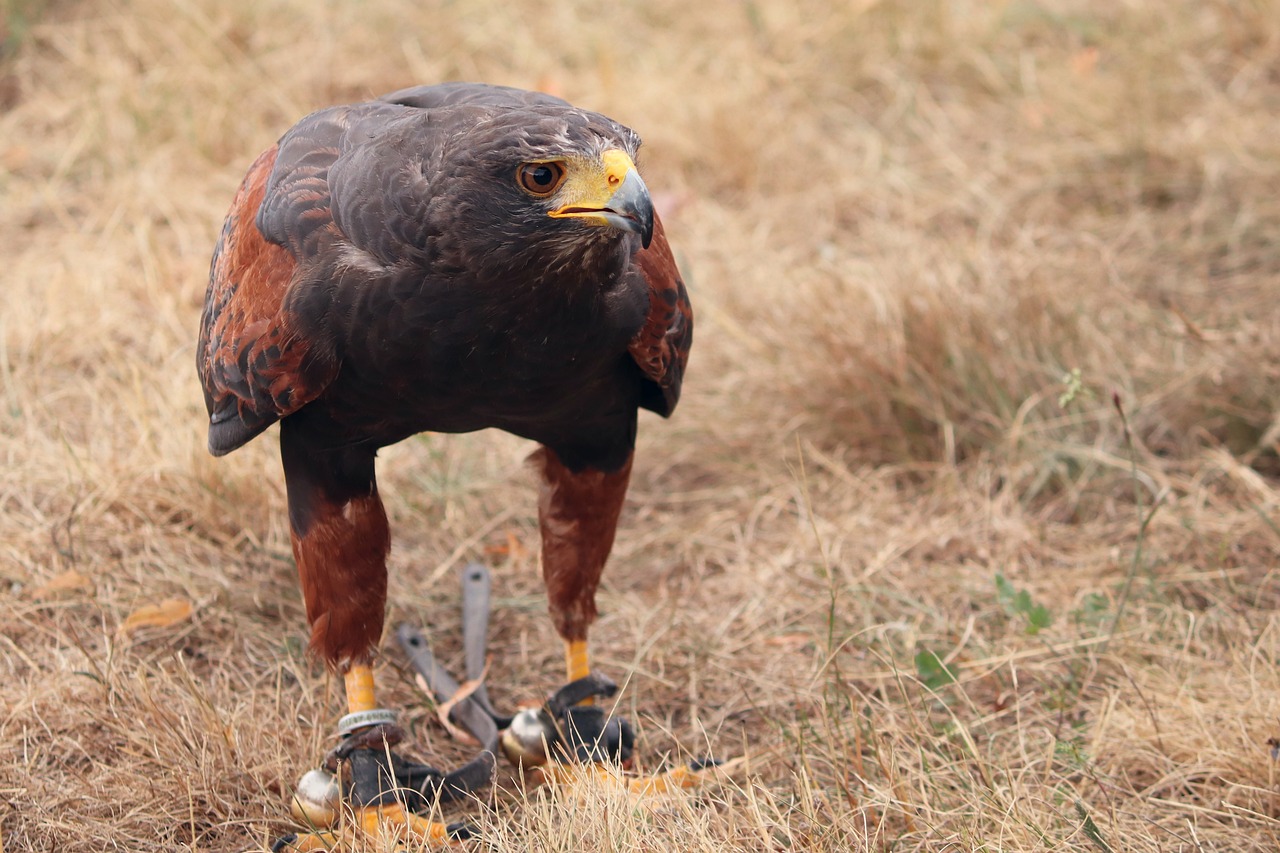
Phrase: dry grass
[903,222]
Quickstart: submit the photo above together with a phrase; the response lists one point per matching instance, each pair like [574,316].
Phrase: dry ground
[929,588]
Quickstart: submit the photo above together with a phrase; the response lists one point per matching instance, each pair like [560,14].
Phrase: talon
[306,842]
[461,831]
[284,843]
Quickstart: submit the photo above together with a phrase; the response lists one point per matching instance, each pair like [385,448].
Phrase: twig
[1144,520]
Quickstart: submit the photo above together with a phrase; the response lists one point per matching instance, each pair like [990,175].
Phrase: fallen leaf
[1035,113]
[464,692]
[168,612]
[64,583]
[512,548]
[15,157]
[1085,62]
[789,641]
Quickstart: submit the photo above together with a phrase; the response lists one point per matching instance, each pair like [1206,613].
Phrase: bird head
[601,190]
[546,186]
[492,189]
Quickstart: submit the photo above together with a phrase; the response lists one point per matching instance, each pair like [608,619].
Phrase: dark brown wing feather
[661,347]
[254,363]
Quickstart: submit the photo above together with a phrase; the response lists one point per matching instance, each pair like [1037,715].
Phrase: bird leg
[358,680]
[576,660]
[578,508]
[340,542]
[365,790]
[362,710]
[578,516]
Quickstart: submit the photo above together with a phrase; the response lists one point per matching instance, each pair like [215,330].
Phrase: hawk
[446,258]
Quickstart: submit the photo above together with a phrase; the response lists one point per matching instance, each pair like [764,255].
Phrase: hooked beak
[616,197]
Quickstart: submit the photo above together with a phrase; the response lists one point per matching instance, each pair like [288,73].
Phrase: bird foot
[564,730]
[363,788]
[376,827]
[569,741]
[570,776]
[570,744]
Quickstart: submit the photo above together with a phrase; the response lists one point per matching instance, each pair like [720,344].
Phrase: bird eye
[540,178]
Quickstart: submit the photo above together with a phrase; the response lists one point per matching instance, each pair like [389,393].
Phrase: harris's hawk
[444,258]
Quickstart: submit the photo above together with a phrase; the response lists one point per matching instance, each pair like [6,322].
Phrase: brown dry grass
[903,222]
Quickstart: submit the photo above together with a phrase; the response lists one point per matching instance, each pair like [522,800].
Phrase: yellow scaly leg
[577,663]
[359,684]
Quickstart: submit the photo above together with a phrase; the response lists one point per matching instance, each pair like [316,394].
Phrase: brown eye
[540,178]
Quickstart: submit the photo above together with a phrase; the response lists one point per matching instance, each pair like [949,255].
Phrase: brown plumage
[446,258]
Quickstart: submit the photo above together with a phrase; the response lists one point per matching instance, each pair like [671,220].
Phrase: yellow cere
[591,184]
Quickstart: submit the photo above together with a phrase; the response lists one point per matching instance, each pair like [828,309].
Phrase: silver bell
[527,741]
[317,798]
